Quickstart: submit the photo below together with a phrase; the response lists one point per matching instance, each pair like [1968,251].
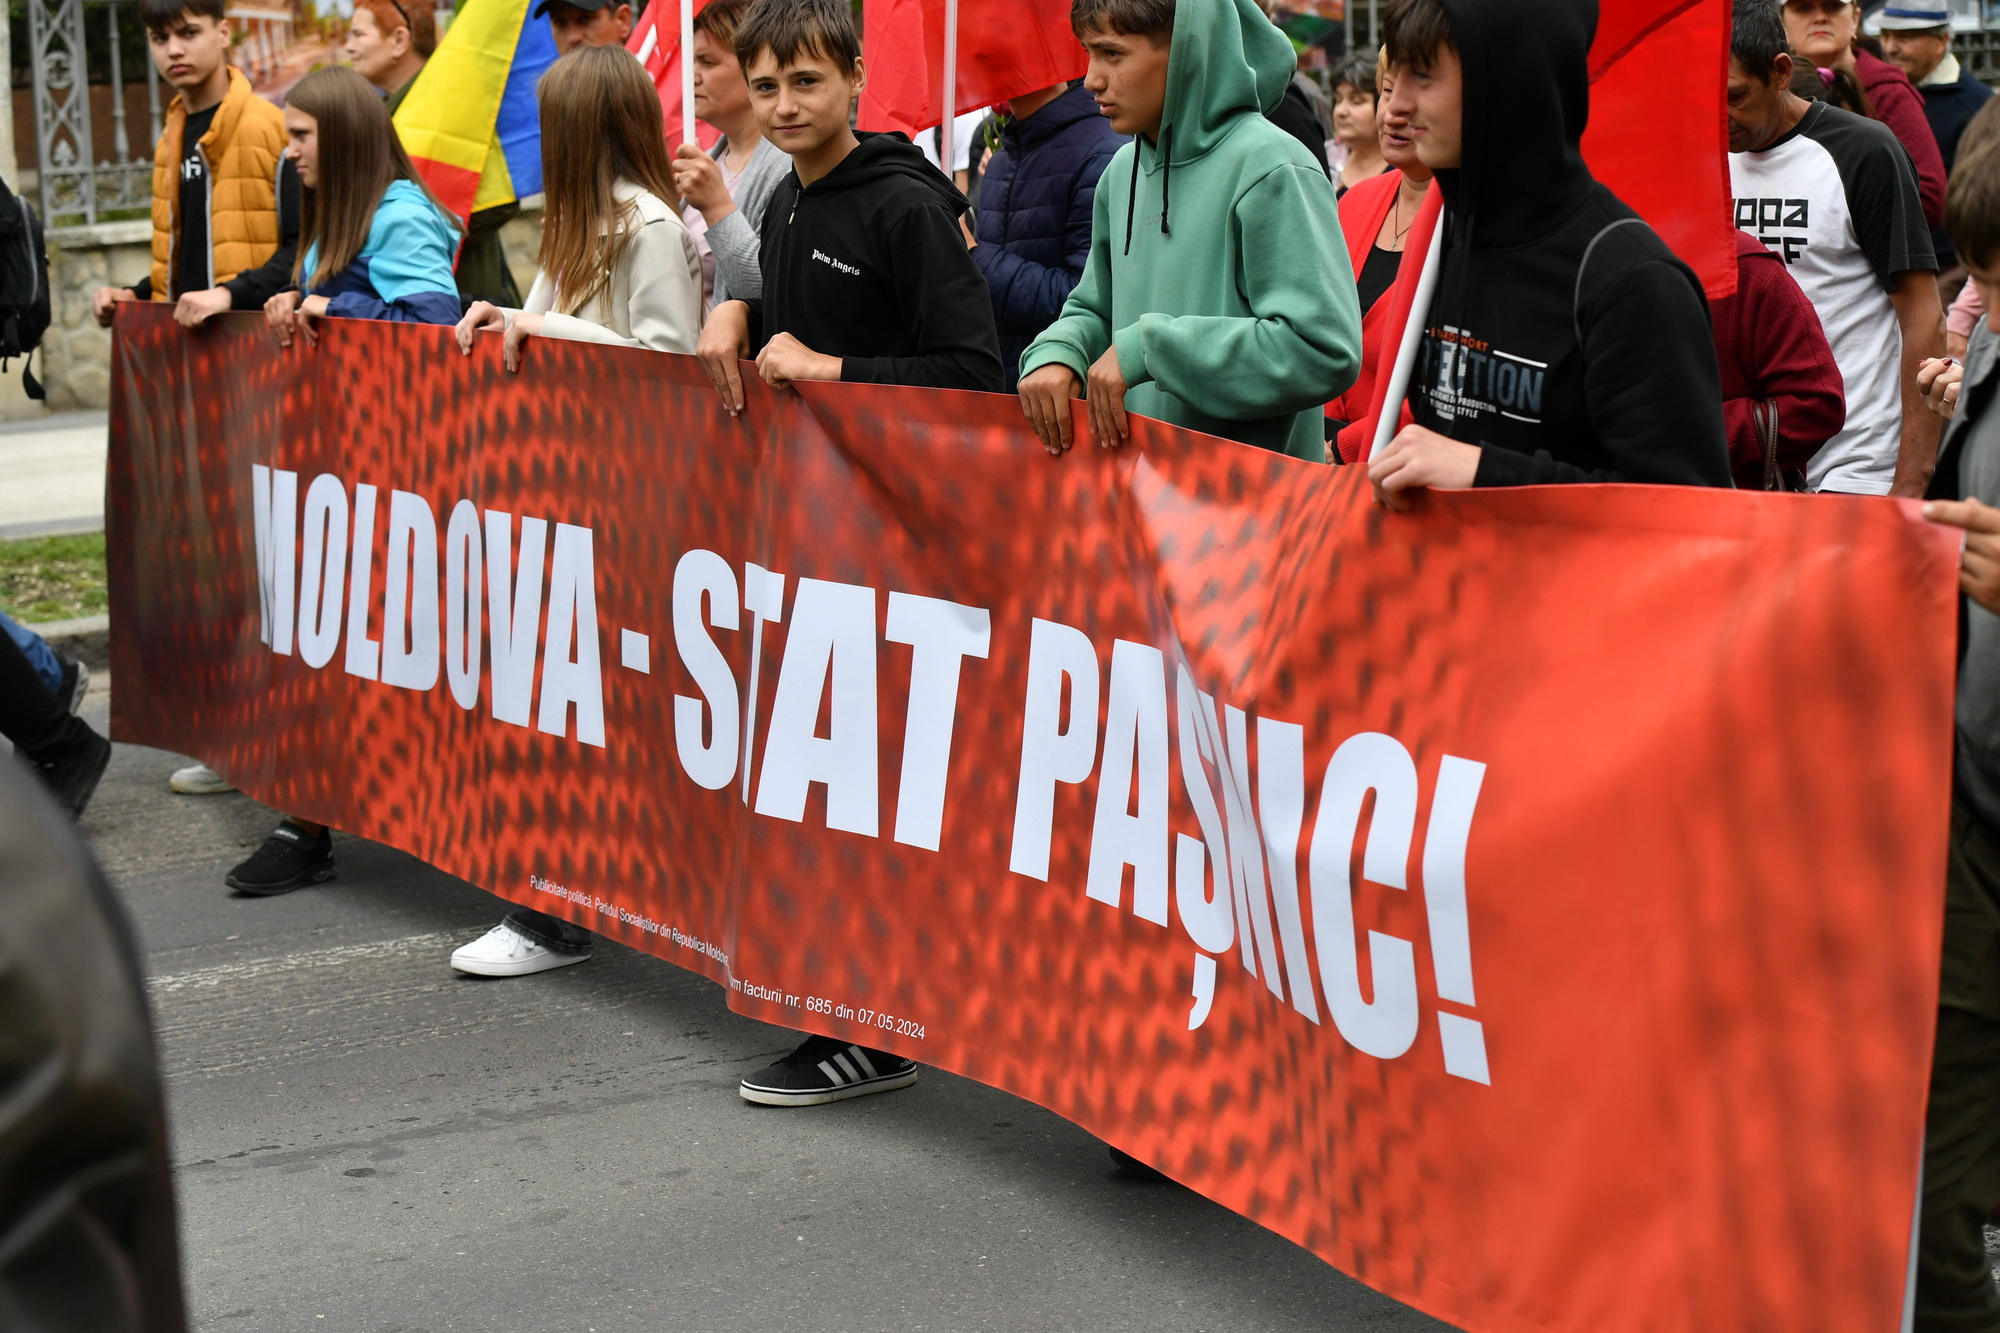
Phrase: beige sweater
[654,297]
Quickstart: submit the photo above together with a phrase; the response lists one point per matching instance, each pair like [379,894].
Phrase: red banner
[1531,904]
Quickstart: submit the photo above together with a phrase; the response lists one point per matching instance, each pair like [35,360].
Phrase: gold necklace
[1396,241]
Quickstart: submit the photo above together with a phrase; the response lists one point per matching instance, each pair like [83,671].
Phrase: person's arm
[1920,317]
[733,242]
[1650,385]
[939,290]
[249,290]
[664,309]
[1027,296]
[1082,331]
[1790,361]
[1299,348]
[1961,319]
[142,290]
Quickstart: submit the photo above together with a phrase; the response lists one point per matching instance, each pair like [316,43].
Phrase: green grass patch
[53,578]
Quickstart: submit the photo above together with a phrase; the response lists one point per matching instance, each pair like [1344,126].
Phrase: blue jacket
[403,271]
[1035,203]
[1949,107]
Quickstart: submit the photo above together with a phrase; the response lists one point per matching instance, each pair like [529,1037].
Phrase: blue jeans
[40,655]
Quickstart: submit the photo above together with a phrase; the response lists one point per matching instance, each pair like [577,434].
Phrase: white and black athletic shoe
[824,1070]
[75,686]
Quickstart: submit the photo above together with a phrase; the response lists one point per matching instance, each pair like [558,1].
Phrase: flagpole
[687,72]
[1406,351]
[946,155]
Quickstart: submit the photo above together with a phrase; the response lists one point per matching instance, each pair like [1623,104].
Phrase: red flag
[1659,130]
[1005,48]
[656,40]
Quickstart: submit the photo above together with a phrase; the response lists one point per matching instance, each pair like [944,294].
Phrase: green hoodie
[1219,272]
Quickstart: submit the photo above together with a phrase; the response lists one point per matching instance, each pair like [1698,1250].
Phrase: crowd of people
[1194,233]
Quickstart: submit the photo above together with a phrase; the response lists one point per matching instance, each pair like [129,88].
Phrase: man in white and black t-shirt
[1835,196]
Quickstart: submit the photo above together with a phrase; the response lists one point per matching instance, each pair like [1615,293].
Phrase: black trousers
[551,932]
[1955,1288]
[30,714]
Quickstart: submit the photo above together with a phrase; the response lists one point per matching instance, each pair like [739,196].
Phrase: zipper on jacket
[208,207]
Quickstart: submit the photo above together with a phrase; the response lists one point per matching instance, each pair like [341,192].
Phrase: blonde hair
[601,123]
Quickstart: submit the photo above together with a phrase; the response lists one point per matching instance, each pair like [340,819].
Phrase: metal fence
[84,179]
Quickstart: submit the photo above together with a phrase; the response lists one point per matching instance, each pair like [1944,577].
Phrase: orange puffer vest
[243,147]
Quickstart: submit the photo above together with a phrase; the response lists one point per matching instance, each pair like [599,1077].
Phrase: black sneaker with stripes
[824,1070]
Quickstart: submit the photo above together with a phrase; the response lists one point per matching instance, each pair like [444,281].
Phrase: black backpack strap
[1583,266]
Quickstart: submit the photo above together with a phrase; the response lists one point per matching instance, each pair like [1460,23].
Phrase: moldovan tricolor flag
[469,123]
[656,40]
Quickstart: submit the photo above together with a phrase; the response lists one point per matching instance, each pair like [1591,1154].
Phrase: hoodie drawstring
[1132,202]
[1166,185]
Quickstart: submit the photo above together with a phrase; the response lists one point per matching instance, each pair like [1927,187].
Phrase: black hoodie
[868,264]
[1640,399]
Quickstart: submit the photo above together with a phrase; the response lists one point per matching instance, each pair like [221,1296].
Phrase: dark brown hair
[359,157]
[1414,31]
[791,28]
[601,124]
[415,15]
[1133,18]
[160,15]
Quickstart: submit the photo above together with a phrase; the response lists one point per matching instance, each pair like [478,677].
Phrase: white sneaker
[197,780]
[505,952]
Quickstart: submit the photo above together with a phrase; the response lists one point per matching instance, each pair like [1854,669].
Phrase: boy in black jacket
[866,276]
[866,279]
[1537,366]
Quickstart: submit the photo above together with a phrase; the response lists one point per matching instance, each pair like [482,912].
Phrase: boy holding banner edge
[865,279]
[1251,348]
[1565,341]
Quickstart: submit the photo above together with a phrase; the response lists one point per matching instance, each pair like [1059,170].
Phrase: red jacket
[1901,107]
[1769,344]
[1363,210]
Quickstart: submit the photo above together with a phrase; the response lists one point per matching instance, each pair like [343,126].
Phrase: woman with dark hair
[376,246]
[1376,217]
[1355,98]
[1835,87]
[617,264]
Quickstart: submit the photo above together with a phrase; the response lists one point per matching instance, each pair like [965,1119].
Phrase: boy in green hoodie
[1218,294]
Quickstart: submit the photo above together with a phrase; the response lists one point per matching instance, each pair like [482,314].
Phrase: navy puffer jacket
[1034,216]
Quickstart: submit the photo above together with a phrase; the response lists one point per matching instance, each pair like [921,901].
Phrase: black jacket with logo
[868,264]
[1637,397]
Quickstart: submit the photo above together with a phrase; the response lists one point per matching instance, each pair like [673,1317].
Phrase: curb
[86,637]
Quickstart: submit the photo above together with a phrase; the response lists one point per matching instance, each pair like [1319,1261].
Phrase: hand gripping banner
[1530,904]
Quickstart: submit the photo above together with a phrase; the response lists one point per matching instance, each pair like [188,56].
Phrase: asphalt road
[365,1140]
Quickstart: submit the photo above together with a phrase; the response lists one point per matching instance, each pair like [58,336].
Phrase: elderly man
[1916,37]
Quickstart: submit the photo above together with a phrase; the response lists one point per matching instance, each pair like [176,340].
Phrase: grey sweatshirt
[733,240]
